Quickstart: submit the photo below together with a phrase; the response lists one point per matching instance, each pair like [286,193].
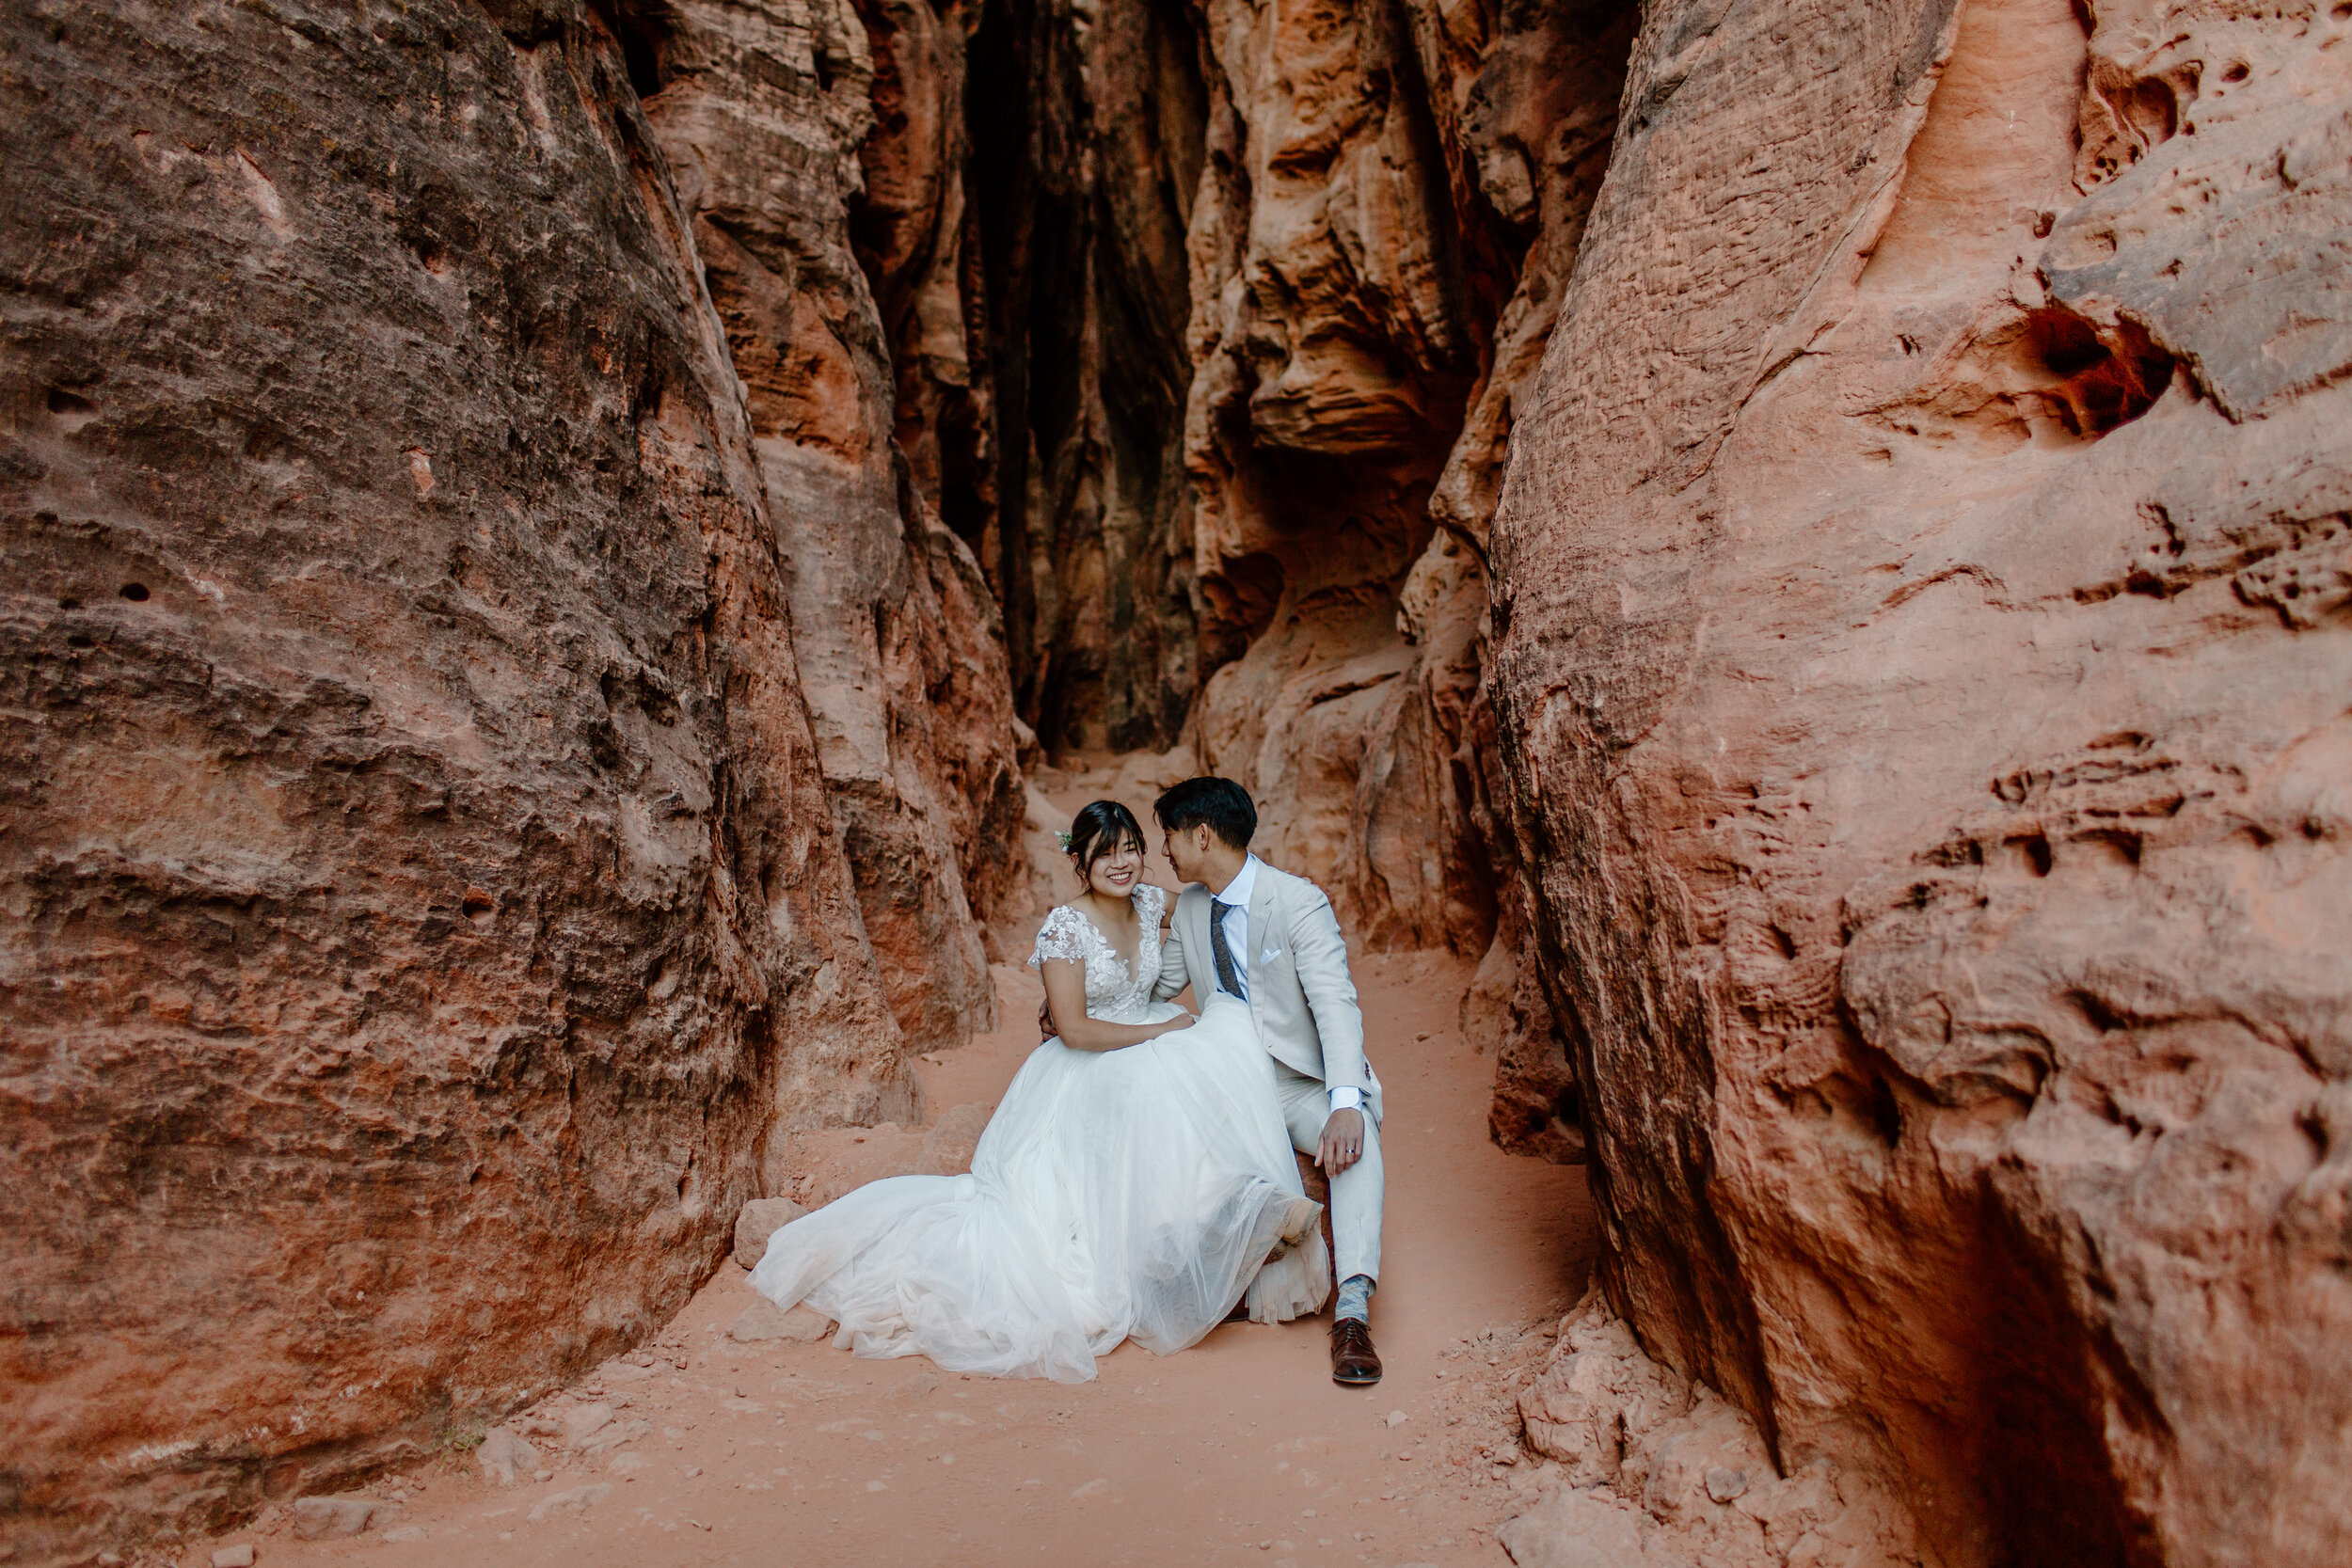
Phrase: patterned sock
[1355,1298]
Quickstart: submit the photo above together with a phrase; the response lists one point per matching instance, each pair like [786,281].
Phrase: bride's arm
[1174,976]
[1066,992]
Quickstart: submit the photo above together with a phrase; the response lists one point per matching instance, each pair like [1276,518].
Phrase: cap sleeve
[1152,904]
[1063,936]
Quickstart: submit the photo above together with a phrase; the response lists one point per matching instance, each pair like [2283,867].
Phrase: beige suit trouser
[1355,1192]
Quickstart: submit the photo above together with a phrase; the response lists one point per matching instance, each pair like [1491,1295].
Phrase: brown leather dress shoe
[1354,1362]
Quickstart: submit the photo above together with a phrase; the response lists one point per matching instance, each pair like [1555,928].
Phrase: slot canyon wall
[494,736]
[1922,642]
[617,491]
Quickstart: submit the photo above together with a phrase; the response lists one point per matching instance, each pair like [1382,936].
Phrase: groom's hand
[1045,1030]
[1342,1142]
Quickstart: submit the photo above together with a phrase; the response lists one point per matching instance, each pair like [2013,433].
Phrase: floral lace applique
[1113,991]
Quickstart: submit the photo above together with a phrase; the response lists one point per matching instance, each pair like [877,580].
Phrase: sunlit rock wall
[1924,621]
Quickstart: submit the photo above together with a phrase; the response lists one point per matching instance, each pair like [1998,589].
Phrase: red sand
[1240,1450]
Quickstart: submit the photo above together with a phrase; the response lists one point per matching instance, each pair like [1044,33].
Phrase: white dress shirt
[1236,894]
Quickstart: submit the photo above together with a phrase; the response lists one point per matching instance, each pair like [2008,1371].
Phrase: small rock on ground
[503,1456]
[761,1321]
[580,1499]
[333,1519]
[758,1220]
[582,1421]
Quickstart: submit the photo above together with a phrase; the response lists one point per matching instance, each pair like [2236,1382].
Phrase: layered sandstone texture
[424,897]
[1029,177]
[1393,199]
[762,109]
[1924,619]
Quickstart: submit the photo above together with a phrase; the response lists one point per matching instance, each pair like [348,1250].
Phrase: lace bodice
[1113,994]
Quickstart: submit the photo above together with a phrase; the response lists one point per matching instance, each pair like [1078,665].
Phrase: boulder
[333,1519]
[584,1421]
[758,1220]
[503,1457]
[762,1321]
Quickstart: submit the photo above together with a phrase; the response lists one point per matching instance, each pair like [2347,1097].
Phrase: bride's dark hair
[1098,830]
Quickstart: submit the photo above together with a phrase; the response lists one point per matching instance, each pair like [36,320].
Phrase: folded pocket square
[1269,955]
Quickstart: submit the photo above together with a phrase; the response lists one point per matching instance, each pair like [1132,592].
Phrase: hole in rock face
[134,592]
[2237,73]
[2104,378]
[2154,110]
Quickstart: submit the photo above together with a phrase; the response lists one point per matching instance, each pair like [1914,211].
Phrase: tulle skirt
[1134,1194]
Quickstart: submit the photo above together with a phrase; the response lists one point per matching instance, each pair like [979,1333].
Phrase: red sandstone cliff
[474,681]
[1922,639]
[530,524]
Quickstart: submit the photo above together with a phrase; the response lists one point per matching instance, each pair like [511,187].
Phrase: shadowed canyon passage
[1801,554]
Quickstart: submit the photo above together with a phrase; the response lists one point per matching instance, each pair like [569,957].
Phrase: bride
[1132,1184]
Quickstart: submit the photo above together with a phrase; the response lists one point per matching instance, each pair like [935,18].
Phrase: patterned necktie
[1226,978]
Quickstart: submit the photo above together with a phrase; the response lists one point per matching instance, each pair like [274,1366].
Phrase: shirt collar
[1245,882]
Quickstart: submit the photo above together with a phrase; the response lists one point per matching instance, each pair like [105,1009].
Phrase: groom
[1270,939]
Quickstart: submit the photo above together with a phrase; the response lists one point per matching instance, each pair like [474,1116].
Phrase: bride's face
[1116,874]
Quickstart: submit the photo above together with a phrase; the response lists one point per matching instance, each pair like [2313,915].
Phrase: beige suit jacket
[1300,992]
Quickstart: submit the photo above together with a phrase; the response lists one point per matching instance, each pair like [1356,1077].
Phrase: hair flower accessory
[1064,837]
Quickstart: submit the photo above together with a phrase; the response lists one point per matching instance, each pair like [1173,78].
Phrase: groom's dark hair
[1219,804]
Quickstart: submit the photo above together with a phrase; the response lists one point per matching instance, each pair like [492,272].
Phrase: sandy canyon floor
[1240,1450]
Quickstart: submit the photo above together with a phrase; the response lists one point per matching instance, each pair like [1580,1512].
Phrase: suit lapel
[1196,956]
[1260,923]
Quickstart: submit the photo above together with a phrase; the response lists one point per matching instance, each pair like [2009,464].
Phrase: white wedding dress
[1130,1193]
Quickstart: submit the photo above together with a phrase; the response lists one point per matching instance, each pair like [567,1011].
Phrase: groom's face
[1183,852]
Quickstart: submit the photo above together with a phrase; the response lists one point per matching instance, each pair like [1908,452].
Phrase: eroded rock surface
[1922,637]
[762,109]
[421,892]
[1651,1472]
